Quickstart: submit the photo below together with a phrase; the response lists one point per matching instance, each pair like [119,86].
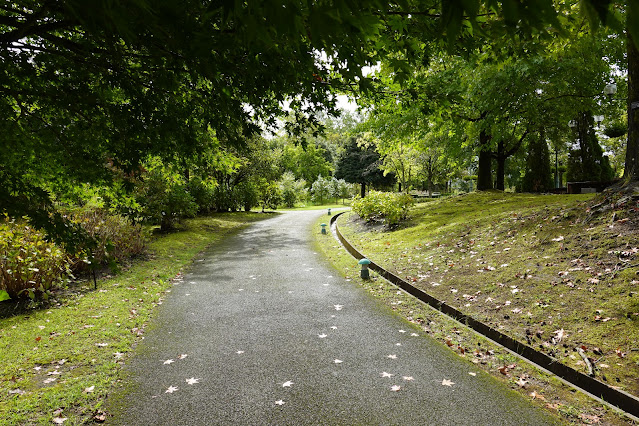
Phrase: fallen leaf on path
[447,382]
[280,402]
[192,381]
[385,374]
[408,378]
[169,361]
[171,389]
[287,384]
[395,388]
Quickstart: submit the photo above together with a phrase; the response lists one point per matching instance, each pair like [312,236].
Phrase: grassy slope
[61,362]
[529,265]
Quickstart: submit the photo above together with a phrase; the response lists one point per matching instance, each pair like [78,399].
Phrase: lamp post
[610,89]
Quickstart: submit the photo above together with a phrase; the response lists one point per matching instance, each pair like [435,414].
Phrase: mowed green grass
[61,362]
[537,267]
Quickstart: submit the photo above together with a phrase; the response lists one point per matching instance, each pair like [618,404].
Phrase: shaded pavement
[262,331]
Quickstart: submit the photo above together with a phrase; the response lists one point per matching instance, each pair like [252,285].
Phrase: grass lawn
[62,361]
[540,268]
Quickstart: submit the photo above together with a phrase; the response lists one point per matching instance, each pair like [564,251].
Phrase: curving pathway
[261,331]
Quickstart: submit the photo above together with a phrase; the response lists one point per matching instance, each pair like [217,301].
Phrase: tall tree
[360,164]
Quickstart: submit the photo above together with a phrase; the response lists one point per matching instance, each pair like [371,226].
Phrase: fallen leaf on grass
[100,416]
[589,419]
[535,395]
[522,382]
[89,389]
[59,420]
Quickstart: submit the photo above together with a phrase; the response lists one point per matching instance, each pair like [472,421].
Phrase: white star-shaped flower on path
[414,334]
[338,361]
[280,402]
[182,356]
[171,389]
[338,307]
[385,374]
[408,378]
[392,356]
[321,336]
[287,384]
[168,361]
[402,331]
[192,381]
[239,352]
[447,382]
[395,388]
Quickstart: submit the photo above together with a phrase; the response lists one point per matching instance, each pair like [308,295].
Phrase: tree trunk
[632,150]
[363,190]
[501,167]
[484,169]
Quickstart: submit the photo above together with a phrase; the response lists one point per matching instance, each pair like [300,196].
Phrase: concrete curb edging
[626,402]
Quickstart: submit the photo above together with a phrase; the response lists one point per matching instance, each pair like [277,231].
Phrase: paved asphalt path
[262,331]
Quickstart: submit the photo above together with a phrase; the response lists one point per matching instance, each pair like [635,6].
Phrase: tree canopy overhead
[89,88]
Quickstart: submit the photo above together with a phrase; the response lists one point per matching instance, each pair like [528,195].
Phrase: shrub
[117,238]
[387,207]
[29,265]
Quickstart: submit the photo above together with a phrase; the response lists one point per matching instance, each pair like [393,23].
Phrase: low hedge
[386,207]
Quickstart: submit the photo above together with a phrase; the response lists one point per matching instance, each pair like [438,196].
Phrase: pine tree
[538,177]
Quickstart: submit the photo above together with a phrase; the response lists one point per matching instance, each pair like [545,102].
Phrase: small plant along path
[261,331]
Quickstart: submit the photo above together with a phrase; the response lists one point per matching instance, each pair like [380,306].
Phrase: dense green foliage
[387,207]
